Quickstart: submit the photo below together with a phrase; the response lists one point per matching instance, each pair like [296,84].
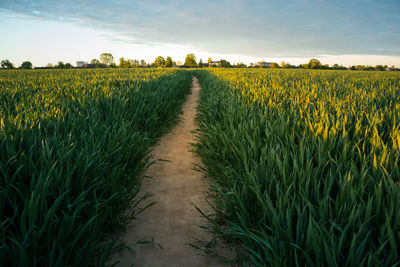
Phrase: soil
[173,222]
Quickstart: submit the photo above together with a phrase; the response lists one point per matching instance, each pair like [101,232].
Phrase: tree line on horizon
[107,61]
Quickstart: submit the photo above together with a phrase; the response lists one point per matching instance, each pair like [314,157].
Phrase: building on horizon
[263,64]
[80,64]
[214,64]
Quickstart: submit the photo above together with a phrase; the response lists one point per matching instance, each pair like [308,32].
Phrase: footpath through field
[173,221]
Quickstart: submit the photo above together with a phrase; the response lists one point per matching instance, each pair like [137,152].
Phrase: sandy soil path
[173,221]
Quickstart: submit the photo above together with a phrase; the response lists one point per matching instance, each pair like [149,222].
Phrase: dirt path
[173,221]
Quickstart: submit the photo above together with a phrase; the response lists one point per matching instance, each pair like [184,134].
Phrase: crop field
[305,164]
[72,146]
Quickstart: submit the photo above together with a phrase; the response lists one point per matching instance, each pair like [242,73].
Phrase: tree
[49,65]
[274,65]
[225,63]
[60,65]
[134,63]
[190,61]
[124,63]
[142,62]
[314,64]
[106,59]
[168,62]
[200,63]
[283,64]
[7,64]
[26,65]
[209,60]
[380,67]
[95,61]
[159,62]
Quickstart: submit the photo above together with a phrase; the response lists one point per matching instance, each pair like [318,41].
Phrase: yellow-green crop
[72,144]
[305,164]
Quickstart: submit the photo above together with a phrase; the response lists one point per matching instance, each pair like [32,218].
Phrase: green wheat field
[304,164]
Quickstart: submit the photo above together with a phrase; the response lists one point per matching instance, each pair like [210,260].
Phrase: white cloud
[291,28]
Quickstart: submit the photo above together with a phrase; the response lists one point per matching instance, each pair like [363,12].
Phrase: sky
[346,32]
